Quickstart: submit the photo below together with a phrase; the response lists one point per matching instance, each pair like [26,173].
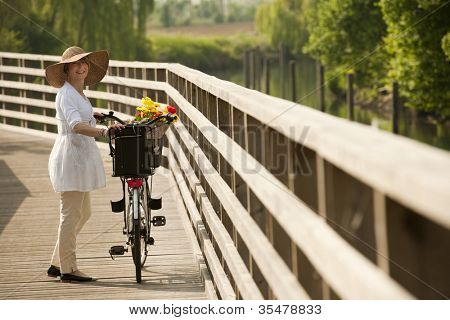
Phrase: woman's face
[78,70]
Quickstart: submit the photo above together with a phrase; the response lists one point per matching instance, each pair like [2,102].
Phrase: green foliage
[12,38]
[418,30]
[167,18]
[10,41]
[186,12]
[446,45]
[378,40]
[202,53]
[239,12]
[50,26]
[145,7]
[212,10]
[175,12]
[345,36]
[10,13]
[283,21]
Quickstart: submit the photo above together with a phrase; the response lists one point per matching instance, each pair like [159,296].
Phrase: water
[410,125]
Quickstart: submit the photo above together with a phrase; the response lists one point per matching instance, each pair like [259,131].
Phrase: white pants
[75,210]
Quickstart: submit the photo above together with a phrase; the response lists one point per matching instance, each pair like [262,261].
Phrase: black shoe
[67,277]
[53,272]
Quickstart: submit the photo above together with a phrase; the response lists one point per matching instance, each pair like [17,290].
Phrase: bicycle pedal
[159,221]
[117,251]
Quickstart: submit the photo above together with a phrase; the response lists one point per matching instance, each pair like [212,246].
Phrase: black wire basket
[138,151]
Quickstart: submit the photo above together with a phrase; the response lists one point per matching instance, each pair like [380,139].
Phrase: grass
[202,53]
[206,30]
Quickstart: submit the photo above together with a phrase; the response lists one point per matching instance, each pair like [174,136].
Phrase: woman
[75,164]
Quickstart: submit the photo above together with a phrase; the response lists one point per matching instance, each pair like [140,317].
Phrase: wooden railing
[286,202]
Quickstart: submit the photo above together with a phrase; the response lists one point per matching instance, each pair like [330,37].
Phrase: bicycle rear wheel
[136,233]
[137,251]
[145,218]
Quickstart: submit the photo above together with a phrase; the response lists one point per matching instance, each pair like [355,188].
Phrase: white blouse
[75,163]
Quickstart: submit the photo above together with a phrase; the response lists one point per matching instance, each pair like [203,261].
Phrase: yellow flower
[147,102]
[151,109]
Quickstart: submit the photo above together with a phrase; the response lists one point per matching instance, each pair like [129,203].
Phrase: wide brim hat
[98,66]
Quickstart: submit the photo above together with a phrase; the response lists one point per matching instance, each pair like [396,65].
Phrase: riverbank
[376,112]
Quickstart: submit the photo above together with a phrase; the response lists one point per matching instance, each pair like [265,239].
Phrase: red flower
[171,110]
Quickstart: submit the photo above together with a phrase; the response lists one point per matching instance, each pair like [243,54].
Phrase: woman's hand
[98,116]
[116,126]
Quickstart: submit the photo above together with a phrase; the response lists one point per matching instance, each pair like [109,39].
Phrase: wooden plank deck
[29,216]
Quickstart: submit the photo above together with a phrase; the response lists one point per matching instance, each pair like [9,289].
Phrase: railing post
[22,93]
[44,97]
[281,66]
[246,67]
[291,186]
[195,97]
[322,206]
[381,238]
[257,69]
[320,85]
[251,66]
[186,89]
[2,89]
[395,107]
[127,89]
[144,77]
[108,89]
[267,75]
[292,67]
[350,98]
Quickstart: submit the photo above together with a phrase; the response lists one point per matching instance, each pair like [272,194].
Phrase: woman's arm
[85,129]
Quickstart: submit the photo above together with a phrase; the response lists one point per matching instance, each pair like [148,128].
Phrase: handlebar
[110,115]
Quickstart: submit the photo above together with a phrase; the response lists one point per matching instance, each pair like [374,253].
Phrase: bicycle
[136,155]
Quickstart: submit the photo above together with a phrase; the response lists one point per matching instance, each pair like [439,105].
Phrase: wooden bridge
[265,199]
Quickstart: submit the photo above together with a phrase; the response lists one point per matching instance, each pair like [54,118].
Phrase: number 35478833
[289,309]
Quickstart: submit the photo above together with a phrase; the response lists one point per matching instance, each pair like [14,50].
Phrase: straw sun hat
[98,65]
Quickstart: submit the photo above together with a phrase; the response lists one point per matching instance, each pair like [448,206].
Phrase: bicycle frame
[135,184]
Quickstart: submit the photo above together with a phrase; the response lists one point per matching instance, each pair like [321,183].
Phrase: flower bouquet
[151,110]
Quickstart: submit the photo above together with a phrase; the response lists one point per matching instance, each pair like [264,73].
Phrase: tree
[145,7]
[176,12]
[417,31]
[118,26]
[166,14]
[283,21]
[346,36]
[240,12]
[13,28]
